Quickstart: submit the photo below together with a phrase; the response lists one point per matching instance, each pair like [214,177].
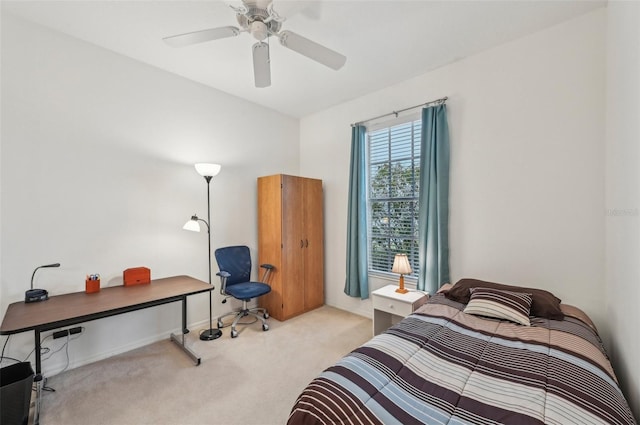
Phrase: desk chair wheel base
[266,316]
[234,333]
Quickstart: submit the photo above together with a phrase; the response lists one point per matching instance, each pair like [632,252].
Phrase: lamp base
[401,289]
[35,295]
[210,334]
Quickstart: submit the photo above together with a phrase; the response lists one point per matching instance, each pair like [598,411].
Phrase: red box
[92,286]
[136,276]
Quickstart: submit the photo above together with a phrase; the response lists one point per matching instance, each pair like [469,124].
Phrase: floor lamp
[208,171]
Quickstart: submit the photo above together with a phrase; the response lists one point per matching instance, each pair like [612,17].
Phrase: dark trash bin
[16,381]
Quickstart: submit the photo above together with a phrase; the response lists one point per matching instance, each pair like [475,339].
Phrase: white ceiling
[385,42]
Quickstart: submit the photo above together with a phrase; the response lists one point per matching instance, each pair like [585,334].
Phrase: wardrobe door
[270,241]
[313,244]
[293,277]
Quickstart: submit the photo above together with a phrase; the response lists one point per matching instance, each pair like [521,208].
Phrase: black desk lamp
[207,171]
[34,295]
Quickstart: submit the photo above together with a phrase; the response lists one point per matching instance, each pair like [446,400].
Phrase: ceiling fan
[259,18]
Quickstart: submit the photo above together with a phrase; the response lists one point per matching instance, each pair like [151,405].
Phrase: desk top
[21,316]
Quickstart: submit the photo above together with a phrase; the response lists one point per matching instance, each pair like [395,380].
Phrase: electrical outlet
[65,332]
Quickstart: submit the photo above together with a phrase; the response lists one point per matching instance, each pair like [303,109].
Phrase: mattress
[443,366]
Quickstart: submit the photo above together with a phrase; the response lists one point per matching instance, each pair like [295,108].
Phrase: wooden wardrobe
[290,237]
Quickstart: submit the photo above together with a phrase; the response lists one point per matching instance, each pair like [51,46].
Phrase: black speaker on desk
[35,295]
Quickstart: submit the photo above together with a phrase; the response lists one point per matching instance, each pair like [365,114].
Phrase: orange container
[92,286]
[136,276]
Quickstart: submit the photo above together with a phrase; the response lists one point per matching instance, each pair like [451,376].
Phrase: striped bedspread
[442,366]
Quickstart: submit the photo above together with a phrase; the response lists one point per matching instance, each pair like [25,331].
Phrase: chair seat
[247,290]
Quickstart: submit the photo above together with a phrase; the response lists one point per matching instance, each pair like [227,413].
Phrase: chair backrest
[235,260]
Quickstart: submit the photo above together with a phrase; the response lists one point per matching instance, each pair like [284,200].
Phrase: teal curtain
[433,210]
[357,282]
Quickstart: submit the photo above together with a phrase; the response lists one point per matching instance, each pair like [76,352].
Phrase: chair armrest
[223,280]
[267,270]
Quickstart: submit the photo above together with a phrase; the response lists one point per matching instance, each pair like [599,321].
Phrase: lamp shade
[192,225]
[208,170]
[401,264]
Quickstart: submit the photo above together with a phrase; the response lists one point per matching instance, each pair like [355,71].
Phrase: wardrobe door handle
[307,245]
[301,243]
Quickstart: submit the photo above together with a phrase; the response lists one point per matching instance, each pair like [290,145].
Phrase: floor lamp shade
[208,170]
[192,224]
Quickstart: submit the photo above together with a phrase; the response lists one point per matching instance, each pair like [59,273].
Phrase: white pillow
[499,304]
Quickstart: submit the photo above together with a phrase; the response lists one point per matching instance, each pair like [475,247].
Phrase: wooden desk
[79,307]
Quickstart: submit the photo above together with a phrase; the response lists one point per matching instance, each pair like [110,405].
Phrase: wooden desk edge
[9,327]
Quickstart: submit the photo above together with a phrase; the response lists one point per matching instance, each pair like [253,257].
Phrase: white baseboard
[54,369]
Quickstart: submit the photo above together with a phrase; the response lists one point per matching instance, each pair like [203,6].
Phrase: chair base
[258,313]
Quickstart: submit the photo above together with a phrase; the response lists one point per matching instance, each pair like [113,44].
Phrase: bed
[442,365]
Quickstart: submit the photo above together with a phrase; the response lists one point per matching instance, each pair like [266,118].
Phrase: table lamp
[401,265]
[35,295]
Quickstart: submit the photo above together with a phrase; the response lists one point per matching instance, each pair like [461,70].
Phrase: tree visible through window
[394,179]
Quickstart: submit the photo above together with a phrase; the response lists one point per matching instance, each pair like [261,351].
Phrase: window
[394,178]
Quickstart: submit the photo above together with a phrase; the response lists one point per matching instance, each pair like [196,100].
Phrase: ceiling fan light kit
[262,23]
[259,30]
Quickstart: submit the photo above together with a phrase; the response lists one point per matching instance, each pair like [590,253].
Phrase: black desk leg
[180,340]
[184,316]
[38,378]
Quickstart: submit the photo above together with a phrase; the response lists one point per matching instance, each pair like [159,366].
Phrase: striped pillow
[507,305]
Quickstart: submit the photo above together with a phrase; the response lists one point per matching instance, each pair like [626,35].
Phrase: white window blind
[394,176]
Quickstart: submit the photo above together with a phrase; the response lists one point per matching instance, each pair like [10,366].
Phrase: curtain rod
[432,102]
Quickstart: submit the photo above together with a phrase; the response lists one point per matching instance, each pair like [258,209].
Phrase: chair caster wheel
[220,324]
[265,327]
[234,333]
[266,315]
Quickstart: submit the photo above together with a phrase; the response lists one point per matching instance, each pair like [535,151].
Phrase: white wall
[526,123]
[97,174]
[623,195]
[530,122]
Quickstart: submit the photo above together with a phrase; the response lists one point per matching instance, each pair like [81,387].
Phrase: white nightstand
[390,307]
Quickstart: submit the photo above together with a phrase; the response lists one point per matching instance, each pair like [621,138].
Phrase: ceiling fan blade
[189,38]
[261,66]
[312,50]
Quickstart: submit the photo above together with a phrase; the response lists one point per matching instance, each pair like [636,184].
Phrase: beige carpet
[252,379]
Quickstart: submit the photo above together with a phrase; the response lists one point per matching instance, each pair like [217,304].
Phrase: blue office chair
[234,263]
